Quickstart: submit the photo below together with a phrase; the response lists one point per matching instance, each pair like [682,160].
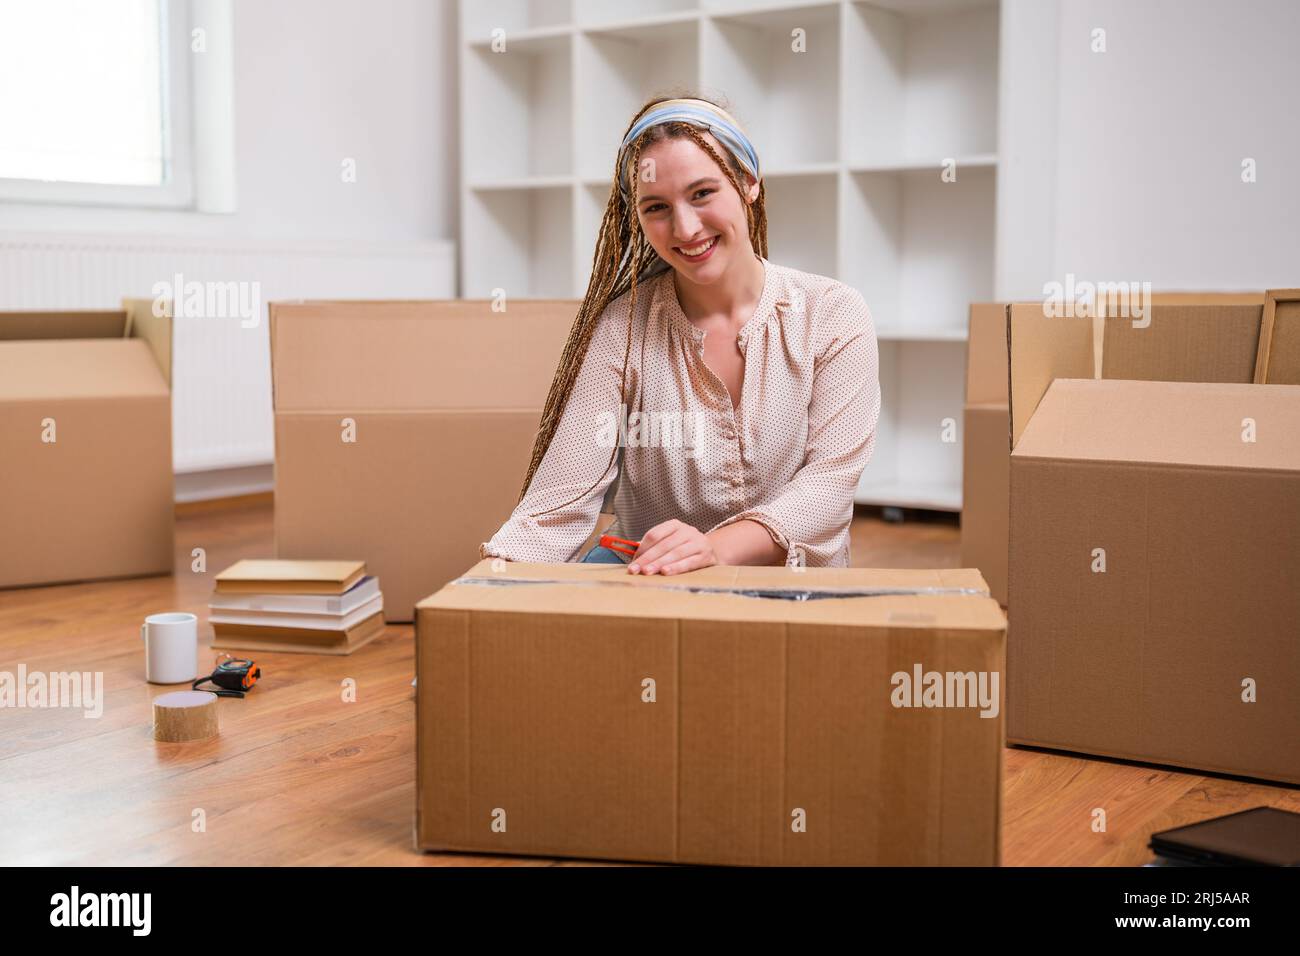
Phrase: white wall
[317,81]
[1127,164]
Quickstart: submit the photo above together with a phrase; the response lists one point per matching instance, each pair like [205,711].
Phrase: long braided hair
[622,257]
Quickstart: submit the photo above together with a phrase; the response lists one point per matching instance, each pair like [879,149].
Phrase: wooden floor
[297,776]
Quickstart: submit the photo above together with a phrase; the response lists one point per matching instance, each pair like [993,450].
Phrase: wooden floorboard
[298,776]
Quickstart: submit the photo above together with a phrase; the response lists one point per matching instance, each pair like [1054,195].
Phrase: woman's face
[689,211]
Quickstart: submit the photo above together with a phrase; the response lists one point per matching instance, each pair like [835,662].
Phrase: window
[94,96]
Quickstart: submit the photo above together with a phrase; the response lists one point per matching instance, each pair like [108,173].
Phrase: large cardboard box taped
[86,432]
[403,430]
[986,465]
[1155,537]
[576,710]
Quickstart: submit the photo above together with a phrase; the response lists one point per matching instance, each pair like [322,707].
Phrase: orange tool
[611,542]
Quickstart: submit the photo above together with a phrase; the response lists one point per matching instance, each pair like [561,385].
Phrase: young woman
[756,384]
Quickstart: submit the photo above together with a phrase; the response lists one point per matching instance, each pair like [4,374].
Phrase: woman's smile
[698,252]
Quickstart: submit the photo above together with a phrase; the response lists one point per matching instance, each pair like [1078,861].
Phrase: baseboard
[224,483]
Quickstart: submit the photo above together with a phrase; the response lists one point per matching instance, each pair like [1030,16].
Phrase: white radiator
[221,377]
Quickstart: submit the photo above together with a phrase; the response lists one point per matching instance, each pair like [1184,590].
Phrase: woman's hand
[671,548]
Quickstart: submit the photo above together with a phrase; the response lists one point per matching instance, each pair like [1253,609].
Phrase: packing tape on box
[784,594]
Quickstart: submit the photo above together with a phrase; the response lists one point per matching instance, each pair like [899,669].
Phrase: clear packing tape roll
[783,594]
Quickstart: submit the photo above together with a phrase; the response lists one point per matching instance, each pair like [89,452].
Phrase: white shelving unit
[853,133]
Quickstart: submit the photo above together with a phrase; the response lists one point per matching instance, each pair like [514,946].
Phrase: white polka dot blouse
[789,457]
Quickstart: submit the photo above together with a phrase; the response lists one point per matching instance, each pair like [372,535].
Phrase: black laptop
[1262,836]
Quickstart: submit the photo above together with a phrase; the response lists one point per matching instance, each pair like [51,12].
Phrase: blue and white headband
[702,115]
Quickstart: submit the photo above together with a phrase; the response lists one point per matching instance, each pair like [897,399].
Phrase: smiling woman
[779,365]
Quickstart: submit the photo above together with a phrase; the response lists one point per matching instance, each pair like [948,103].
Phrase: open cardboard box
[986,465]
[1154,539]
[403,430]
[577,710]
[86,428]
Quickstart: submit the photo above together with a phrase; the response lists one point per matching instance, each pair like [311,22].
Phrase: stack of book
[312,607]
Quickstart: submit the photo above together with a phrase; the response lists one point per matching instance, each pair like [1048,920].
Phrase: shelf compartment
[618,70]
[529,231]
[919,249]
[922,385]
[802,212]
[922,84]
[592,199]
[787,101]
[517,111]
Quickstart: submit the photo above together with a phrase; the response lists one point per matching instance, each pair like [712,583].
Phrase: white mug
[171,647]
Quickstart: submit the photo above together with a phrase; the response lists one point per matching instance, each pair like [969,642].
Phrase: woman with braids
[773,372]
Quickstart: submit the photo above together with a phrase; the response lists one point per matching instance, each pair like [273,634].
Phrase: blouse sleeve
[810,516]
[562,504]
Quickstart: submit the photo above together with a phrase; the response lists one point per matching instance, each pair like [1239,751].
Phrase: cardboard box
[86,428]
[1155,536]
[403,430]
[986,464]
[767,714]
